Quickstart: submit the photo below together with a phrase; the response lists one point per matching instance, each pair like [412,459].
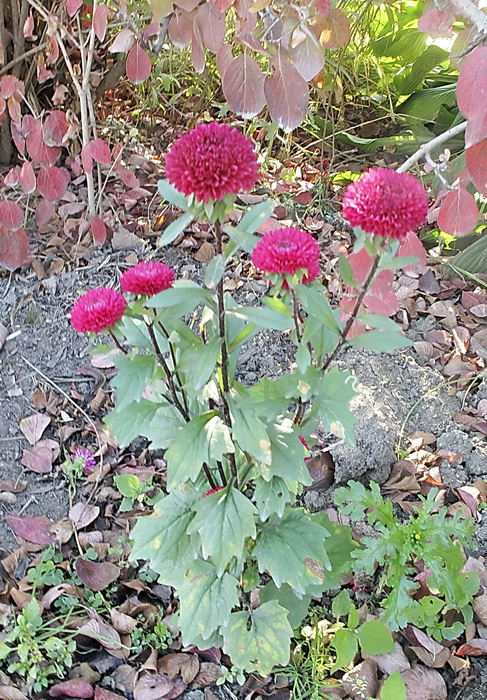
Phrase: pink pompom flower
[147,278]
[386,203]
[285,251]
[97,309]
[211,161]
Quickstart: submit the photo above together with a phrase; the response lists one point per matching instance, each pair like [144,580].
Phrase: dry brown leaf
[393,661]
[36,530]
[82,514]
[205,253]
[480,607]
[208,674]
[13,486]
[104,694]
[105,635]
[9,693]
[475,647]
[40,457]
[33,426]
[96,575]
[362,680]
[53,594]
[124,624]
[157,687]
[186,666]
[432,660]
[424,683]
[425,349]
[322,470]
[461,337]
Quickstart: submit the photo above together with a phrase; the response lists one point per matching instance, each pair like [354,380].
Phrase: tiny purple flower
[83,455]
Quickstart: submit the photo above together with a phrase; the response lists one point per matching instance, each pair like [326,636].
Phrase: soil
[36,314]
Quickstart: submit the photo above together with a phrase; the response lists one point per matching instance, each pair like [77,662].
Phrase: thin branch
[472,13]
[25,55]
[428,147]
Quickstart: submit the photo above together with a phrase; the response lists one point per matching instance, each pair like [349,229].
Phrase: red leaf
[12,177]
[55,128]
[187,5]
[361,264]
[475,647]
[34,530]
[14,248]
[472,83]
[123,41]
[44,211]
[11,215]
[380,299]
[243,86]
[39,152]
[72,6]
[27,177]
[98,230]
[41,456]
[53,182]
[138,65]
[458,213]
[411,245]
[152,29]
[7,86]
[287,95]
[14,110]
[322,7]
[96,575]
[73,689]
[308,57]
[100,21]
[436,23]
[180,29]
[28,29]
[476,159]
[17,138]
[100,151]
[104,694]
[52,54]
[212,26]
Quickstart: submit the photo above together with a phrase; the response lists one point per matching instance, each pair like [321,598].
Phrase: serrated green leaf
[250,433]
[199,363]
[161,538]
[287,454]
[163,427]
[134,374]
[341,604]
[346,646]
[175,228]
[380,341]
[292,550]
[334,392]
[258,640]
[339,547]
[223,520]
[189,451]
[127,423]
[295,607]
[271,497]
[263,317]
[317,305]
[374,638]
[206,601]
[393,688]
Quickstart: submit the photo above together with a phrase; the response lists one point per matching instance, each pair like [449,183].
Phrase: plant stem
[208,475]
[173,358]
[353,315]
[224,352]
[428,147]
[116,341]
[170,381]
[296,315]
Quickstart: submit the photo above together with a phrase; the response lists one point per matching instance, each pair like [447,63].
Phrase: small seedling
[132,489]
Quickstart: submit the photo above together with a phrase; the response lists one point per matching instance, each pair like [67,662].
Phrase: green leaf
[182,298]
[161,538]
[259,639]
[377,321]
[172,195]
[214,271]
[380,341]
[292,550]
[163,428]
[219,439]
[256,216]
[345,644]
[339,547]
[393,688]
[223,520]
[425,105]
[129,485]
[175,228]
[341,604]
[409,80]
[295,607]
[134,374]
[128,423]
[189,450]
[250,578]
[250,433]
[199,363]
[303,357]
[271,497]
[5,650]
[400,261]
[334,392]
[346,272]
[206,601]
[240,238]
[374,638]
[473,259]
[263,317]
[287,454]
[317,305]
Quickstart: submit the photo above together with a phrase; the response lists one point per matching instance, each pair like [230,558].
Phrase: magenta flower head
[211,161]
[147,278]
[97,309]
[83,456]
[287,250]
[386,203]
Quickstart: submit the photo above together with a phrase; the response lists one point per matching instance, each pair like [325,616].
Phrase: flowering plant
[244,559]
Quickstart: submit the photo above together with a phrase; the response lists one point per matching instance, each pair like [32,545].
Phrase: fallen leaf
[82,514]
[105,635]
[207,675]
[186,666]
[13,486]
[122,623]
[480,607]
[475,647]
[96,575]
[36,530]
[157,687]
[55,592]
[322,470]
[205,253]
[104,694]
[40,457]
[73,689]
[9,693]
[432,660]
[363,677]
[424,683]
[33,426]
[393,661]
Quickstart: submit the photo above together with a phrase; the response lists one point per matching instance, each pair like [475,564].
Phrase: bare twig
[469,11]
[428,147]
